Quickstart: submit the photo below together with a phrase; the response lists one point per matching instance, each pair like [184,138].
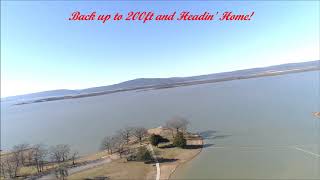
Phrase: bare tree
[15,159]
[61,172]
[2,166]
[126,133]
[21,151]
[10,164]
[60,152]
[39,154]
[108,143]
[29,155]
[178,123]
[139,133]
[74,156]
[8,167]
[119,144]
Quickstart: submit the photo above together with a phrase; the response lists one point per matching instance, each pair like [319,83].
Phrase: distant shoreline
[174,85]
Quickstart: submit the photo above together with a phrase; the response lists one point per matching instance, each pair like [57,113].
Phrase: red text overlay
[146,16]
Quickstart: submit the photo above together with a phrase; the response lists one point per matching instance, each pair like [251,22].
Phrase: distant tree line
[118,143]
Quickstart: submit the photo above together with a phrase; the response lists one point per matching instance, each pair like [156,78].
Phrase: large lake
[255,128]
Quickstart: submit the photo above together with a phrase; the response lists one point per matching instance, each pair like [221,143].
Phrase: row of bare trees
[37,155]
[117,142]
[22,155]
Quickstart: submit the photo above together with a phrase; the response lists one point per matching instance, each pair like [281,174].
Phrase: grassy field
[118,169]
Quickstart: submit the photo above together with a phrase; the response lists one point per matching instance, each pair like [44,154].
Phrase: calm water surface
[255,128]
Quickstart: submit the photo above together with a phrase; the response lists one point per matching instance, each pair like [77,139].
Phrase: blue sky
[42,50]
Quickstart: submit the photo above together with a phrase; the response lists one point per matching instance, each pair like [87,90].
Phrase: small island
[132,152]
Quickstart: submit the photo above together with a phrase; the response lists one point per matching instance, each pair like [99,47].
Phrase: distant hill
[166,81]
[156,83]
[141,82]
[39,95]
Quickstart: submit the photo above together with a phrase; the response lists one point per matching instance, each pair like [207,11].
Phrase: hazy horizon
[151,78]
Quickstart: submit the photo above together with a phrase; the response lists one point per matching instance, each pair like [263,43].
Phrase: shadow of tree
[161,160]
[193,146]
[207,145]
[210,134]
[187,146]
[220,136]
[207,134]
[98,178]
[166,146]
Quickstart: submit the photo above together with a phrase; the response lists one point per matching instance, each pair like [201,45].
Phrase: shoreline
[179,165]
[177,157]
